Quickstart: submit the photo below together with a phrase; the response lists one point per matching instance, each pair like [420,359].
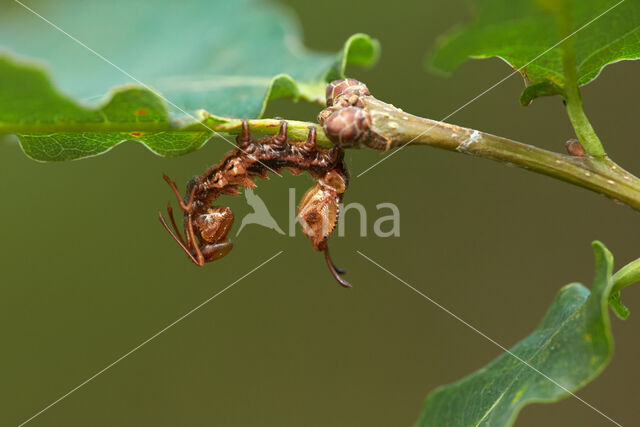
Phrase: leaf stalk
[584,131]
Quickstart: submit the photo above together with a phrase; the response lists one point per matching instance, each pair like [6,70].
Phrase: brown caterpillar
[206,226]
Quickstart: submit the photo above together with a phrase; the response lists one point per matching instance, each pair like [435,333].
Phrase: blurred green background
[87,273]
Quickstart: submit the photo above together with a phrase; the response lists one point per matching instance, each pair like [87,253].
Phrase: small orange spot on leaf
[136,134]
[141,112]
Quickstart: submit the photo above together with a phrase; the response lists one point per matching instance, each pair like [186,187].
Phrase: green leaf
[205,57]
[545,88]
[571,345]
[627,275]
[616,305]
[519,31]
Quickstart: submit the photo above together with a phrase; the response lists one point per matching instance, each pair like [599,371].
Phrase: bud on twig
[574,148]
[345,121]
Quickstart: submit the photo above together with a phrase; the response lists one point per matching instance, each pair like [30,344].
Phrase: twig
[599,174]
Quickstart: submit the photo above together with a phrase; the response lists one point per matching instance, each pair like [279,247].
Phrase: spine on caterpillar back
[253,158]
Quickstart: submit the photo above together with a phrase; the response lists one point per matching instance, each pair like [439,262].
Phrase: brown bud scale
[574,148]
[339,88]
[348,126]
